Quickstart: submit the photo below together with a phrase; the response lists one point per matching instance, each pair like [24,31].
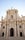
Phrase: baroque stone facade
[12,25]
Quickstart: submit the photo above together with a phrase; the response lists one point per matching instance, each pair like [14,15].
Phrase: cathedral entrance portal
[11,32]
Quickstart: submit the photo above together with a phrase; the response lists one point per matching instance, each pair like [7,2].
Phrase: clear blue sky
[7,4]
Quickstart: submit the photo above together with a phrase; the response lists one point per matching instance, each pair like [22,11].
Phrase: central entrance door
[11,32]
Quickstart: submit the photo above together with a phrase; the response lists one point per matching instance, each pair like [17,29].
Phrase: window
[20,26]
[16,23]
[3,27]
[11,16]
[15,11]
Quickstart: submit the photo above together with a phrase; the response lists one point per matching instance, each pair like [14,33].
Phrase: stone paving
[13,38]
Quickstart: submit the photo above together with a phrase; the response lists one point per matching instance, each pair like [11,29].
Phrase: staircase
[13,38]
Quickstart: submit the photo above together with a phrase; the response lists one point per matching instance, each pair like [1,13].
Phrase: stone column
[18,29]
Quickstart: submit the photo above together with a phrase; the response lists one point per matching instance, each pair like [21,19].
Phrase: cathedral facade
[13,25]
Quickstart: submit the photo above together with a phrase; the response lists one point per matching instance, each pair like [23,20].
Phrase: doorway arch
[11,32]
[20,34]
[2,34]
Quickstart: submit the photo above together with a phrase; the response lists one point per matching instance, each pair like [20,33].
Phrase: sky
[8,4]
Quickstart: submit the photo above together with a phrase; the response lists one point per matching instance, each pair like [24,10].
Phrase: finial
[11,7]
[2,18]
[7,12]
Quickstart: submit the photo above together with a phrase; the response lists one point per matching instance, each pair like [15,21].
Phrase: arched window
[15,11]
[16,23]
[20,26]
[12,16]
[3,27]
[11,32]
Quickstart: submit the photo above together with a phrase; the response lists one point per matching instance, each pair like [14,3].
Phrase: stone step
[13,38]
